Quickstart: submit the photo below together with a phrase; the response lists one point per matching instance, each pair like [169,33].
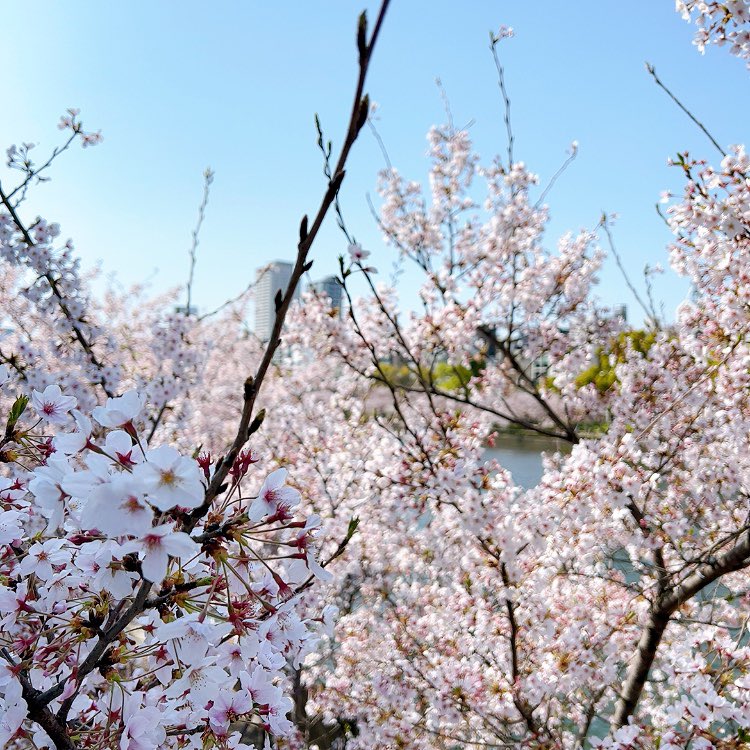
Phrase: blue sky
[235,84]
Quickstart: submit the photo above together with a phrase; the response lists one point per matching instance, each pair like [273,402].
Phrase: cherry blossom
[96,537]
[604,607]
[119,411]
[274,497]
[720,23]
[170,479]
[356,253]
[52,405]
[118,508]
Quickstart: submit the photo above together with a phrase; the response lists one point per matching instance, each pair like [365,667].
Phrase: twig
[504,93]
[77,332]
[652,71]
[23,186]
[325,148]
[228,303]
[208,178]
[571,158]
[357,119]
[381,144]
[650,313]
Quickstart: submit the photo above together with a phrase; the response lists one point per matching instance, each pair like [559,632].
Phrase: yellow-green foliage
[602,372]
[395,374]
[449,377]
[444,376]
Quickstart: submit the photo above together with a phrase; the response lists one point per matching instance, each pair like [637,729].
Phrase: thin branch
[208,178]
[652,71]
[34,173]
[563,167]
[650,312]
[504,93]
[77,332]
[228,303]
[357,119]
[381,145]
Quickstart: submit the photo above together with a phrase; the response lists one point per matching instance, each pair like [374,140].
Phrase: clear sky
[234,84]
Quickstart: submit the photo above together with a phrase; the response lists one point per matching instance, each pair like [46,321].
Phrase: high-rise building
[268,281]
[620,311]
[329,287]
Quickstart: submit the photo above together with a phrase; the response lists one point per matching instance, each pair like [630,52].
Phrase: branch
[652,71]
[737,558]
[77,332]
[521,704]
[38,710]
[357,119]
[506,99]
[232,300]
[208,178]
[650,313]
[88,665]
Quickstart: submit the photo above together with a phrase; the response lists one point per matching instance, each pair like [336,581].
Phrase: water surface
[521,455]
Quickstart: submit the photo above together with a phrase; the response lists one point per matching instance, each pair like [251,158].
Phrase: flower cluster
[132,616]
[607,604]
[721,23]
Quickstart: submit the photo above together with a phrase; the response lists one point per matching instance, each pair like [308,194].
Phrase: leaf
[353,525]
[18,408]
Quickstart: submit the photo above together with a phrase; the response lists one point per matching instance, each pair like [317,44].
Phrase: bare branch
[208,178]
[652,71]
[357,119]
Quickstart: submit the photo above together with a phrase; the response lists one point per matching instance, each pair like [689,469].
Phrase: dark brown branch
[39,711]
[662,609]
[521,704]
[357,119]
[90,663]
[652,71]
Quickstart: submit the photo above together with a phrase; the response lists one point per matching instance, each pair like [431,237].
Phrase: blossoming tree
[155,587]
[608,605]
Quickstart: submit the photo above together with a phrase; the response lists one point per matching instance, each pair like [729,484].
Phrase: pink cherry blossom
[119,411]
[356,253]
[155,547]
[273,496]
[51,405]
[119,507]
[171,479]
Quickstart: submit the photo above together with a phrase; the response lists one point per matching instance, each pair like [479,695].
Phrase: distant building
[268,281]
[329,287]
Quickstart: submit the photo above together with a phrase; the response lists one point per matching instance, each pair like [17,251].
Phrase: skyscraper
[620,311]
[330,287]
[268,281]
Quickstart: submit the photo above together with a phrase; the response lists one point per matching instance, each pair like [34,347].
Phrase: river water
[521,454]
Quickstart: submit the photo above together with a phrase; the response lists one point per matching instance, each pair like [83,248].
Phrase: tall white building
[268,281]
